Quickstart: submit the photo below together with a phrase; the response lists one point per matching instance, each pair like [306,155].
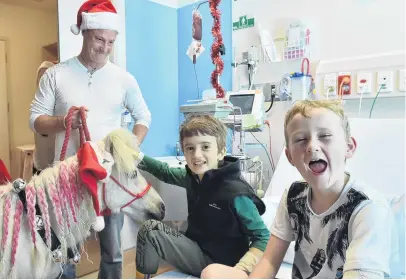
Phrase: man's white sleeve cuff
[33,117]
[142,122]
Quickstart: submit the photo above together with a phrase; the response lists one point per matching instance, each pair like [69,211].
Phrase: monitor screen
[244,101]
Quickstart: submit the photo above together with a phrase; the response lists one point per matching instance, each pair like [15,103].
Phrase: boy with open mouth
[341,229]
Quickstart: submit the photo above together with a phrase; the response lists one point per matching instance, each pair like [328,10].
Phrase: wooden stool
[25,161]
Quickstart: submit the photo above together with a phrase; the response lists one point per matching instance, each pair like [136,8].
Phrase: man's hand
[76,119]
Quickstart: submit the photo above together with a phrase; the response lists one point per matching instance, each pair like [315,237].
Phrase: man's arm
[135,104]
[140,131]
[44,124]
[42,120]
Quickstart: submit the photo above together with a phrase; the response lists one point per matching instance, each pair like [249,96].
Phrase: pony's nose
[163,208]
[162,213]
[159,215]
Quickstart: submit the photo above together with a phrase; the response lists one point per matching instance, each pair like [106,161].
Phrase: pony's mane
[124,146]
[56,189]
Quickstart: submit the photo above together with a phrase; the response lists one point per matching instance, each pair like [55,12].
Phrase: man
[106,91]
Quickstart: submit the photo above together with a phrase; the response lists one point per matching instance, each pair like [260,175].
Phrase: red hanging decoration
[215,48]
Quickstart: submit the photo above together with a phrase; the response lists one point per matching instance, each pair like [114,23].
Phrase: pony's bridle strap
[135,196]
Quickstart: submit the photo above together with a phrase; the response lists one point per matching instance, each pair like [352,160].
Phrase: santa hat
[90,172]
[96,14]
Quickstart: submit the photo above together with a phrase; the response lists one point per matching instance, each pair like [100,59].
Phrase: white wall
[340,29]
[69,43]
[345,28]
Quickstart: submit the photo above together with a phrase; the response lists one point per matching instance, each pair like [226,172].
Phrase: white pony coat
[75,211]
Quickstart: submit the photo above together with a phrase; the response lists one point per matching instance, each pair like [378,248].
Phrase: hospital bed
[381,145]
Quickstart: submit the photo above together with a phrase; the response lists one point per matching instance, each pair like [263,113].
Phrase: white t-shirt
[353,234]
[107,93]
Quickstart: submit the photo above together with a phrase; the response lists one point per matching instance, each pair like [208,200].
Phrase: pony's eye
[105,161]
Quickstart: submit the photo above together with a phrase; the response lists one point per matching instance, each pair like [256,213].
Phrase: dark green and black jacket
[223,210]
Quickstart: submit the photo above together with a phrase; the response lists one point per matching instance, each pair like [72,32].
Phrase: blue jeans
[110,250]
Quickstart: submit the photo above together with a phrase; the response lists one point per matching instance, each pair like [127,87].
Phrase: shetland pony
[67,210]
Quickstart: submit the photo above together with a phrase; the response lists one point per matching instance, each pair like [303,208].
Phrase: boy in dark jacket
[225,228]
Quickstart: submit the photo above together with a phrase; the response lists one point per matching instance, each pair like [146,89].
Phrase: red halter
[107,211]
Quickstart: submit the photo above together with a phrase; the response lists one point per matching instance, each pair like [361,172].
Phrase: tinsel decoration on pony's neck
[216,47]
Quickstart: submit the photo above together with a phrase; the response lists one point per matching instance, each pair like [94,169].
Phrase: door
[4,129]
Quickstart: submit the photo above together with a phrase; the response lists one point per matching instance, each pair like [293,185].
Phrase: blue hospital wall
[152,57]
[204,66]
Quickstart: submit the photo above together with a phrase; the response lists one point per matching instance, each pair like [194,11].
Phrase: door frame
[8,160]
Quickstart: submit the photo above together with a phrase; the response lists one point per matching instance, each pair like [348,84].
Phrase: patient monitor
[249,110]
[243,110]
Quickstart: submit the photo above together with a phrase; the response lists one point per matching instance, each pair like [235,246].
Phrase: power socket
[402,80]
[364,82]
[384,81]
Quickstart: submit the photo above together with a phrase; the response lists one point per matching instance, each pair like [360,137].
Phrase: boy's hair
[303,107]
[205,125]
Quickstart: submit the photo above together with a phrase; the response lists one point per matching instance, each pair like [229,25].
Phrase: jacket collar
[229,167]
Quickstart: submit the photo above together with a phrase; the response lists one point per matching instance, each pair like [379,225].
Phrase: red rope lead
[215,48]
[83,130]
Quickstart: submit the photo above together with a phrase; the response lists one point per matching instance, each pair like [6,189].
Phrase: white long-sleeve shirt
[107,93]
